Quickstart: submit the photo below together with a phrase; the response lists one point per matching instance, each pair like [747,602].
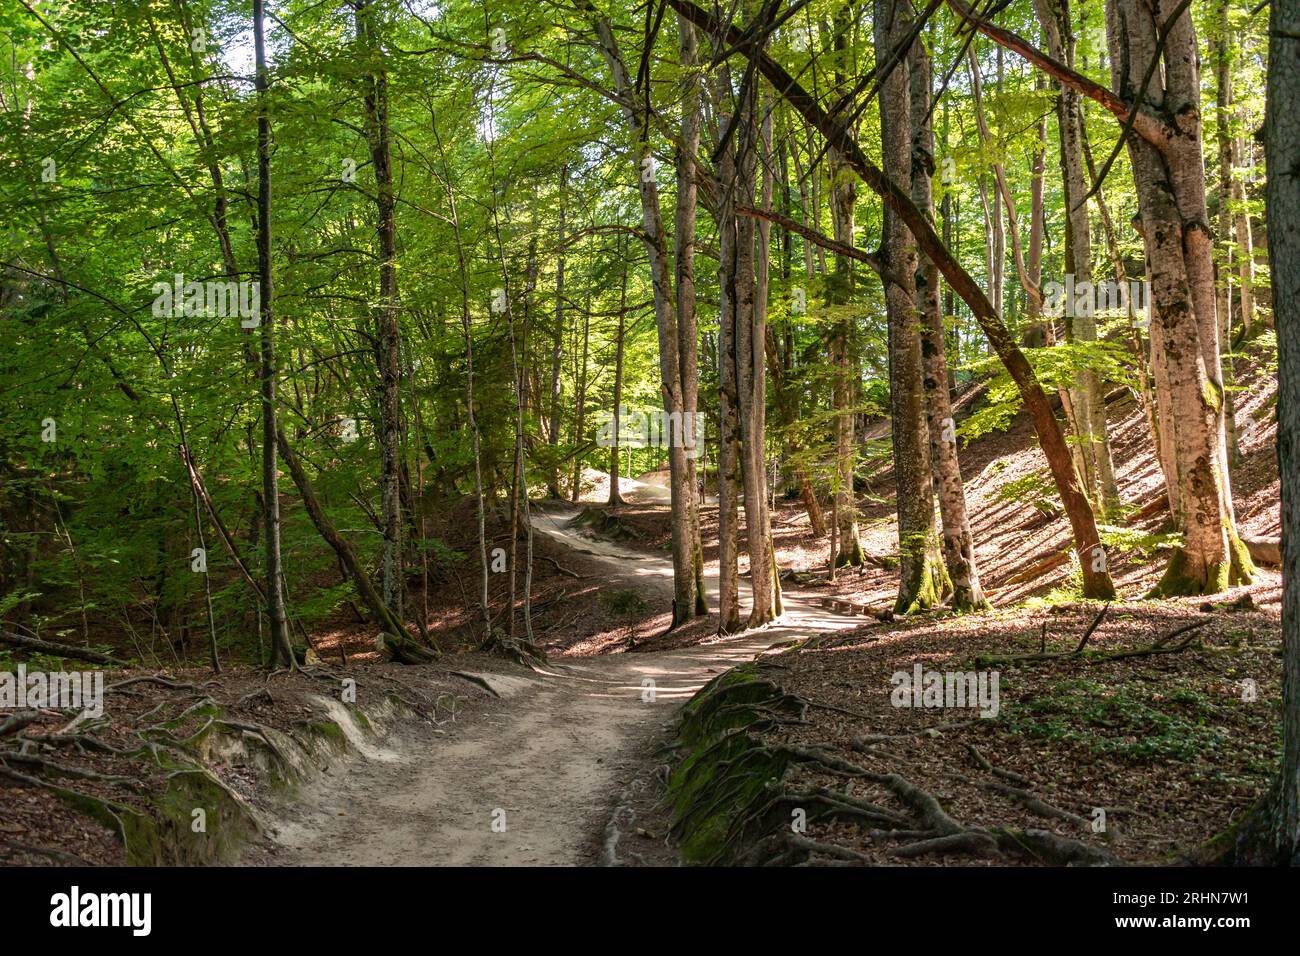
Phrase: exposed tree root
[1160,646]
[519,650]
[734,803]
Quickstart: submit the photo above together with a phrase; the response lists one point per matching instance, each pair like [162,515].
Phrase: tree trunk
[388,337]
[840,289]
[280,647]
[615,497]
[958,541]
[923,580]
[653,234]
[687,334]
[728,399]
[557,350]
[1089,397]
[1271,836]
[1170,185]
[1227,198]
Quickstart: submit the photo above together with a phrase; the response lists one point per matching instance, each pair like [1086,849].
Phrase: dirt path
[553,753]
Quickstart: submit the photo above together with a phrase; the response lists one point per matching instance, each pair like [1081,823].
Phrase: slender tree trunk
[840,289]
[1035,334]
[388,347]
[1227,198]
[557,351]
[728,415]
[1088,399]
[484,608]
[923,580]
[615,497]
[655,239]
[580,420]
[280,647]
[958,541]
[687,326]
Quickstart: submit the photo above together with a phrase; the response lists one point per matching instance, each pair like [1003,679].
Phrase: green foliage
[1137,725]
[1035,488]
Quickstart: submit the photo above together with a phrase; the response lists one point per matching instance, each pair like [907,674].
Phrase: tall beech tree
[1096,578]
[923,579]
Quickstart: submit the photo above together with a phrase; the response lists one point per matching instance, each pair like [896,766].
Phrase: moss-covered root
[728,771]
[197,820]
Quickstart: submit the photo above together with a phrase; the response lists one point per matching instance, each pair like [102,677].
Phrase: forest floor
[1151,740]
[488,762]
[564,745]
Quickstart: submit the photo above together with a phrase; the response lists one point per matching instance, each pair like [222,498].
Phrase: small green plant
[1035,489]
[1143,543]
[1132,724]
[623,601]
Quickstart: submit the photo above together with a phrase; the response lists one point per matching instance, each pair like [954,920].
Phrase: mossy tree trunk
[958,541]
[923,579]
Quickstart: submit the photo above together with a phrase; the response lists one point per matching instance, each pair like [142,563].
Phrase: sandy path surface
[548,760]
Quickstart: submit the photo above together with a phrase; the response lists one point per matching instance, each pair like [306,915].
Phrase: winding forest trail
[553,753]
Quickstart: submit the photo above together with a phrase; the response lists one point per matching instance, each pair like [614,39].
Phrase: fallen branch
[1158,647]
[1041,567]
[58,650]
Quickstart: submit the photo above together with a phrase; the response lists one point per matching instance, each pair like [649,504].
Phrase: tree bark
[923,580]
[1088,398]
[281,650]
[557,350]
[1272,834]
[653,234]
[958,541]
[387,340]
[1096,581]
[1171,199]
[840,290]
[687,326]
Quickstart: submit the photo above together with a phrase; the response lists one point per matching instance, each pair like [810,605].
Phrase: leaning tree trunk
[395,640]
[923,580]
